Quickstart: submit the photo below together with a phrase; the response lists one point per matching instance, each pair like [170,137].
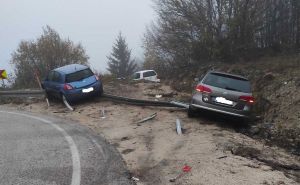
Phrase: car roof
[229,74]
[144,71]
[70,68]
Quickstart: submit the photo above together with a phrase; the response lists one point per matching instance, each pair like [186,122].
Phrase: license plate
[88,90]
[224,101]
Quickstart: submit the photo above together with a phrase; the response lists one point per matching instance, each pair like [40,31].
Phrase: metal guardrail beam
[22,93]
[145,102]
[133,101]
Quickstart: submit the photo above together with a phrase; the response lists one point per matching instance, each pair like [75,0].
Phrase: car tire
[48,96]
[248,121]
[191,112]
[100,92]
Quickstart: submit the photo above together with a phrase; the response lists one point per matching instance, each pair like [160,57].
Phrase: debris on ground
[158,96]
[102,113]
[135,179]
[47,101]
[67,104]
[146,119]
[185,170]
[222,157]
[178,127]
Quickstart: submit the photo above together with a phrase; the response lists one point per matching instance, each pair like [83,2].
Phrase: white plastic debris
[47,101]
[102,113]
[158,96]
[178,127]
[135,179]
[67,104]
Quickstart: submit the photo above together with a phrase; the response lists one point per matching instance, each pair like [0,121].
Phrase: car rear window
[228,82]
[79,75]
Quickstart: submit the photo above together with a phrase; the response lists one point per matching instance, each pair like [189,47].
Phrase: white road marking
[76,175]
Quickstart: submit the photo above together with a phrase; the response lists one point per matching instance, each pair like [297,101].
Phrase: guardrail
[132,101]
[22,93]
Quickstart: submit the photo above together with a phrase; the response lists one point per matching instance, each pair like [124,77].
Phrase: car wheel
[100,92]
[248,121]
[191,112]
[48,96]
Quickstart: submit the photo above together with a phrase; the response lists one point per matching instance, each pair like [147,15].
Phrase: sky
[94,23]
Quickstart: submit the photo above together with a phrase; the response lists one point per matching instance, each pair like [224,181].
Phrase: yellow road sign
[3,74]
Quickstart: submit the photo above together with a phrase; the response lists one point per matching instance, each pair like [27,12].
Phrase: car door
[47,84]
[153,76]
[147,75]
[56,84]
[150,75]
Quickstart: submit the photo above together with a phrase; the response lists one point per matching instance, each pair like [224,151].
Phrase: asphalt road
[47,151]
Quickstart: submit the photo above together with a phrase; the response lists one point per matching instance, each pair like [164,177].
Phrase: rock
[265,168]
[245,151]
[232,171]
[298,82]
[127,151]
[268,77]
[265,182]
[254,130]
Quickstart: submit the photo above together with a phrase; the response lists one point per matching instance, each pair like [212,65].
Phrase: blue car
[72,82]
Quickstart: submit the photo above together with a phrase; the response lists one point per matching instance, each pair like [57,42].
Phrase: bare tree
[189,33]
[36,58]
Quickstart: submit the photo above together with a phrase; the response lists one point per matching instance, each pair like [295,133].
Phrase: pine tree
[120,63]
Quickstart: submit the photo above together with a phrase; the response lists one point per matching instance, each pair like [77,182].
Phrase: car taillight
[97,77]
[202,88]
[248,99]
[68,87]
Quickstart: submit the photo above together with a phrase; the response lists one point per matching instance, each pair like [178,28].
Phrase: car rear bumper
[198,103]
[77,94]
[218,110]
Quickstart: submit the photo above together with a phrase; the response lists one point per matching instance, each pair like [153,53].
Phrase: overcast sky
[94,23]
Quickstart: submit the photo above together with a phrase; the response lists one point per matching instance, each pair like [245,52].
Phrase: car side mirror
[196,79]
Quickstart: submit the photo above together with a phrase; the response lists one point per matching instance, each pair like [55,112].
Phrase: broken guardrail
[140,102]
[120,99]
[22,93]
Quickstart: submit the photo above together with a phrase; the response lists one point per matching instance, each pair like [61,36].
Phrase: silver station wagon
[224,93]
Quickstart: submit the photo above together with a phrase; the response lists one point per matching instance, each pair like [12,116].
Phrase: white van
[149,75]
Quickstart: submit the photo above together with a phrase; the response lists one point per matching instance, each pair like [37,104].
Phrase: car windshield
[136,76]
[78,75]
[228,82]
